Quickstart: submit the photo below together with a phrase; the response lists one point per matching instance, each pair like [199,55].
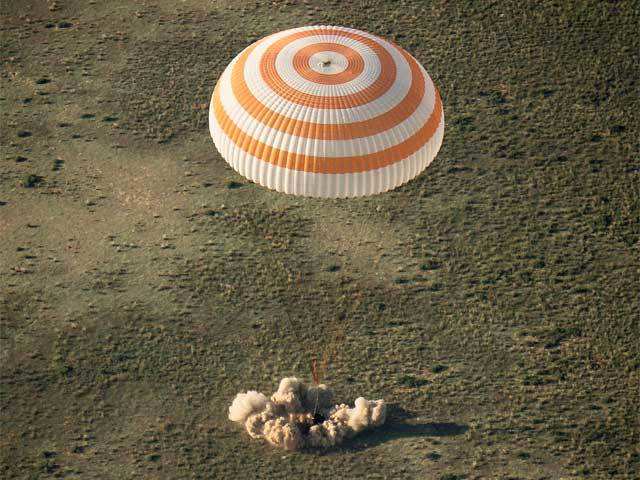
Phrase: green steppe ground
[494,301]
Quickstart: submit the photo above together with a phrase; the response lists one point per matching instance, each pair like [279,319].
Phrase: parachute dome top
[328,112]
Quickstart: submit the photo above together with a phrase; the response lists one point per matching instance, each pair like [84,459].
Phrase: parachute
[325,111]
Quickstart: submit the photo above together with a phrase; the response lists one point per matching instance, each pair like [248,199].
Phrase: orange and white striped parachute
[326,112]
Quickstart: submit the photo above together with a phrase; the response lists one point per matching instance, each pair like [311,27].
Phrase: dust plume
[299,416]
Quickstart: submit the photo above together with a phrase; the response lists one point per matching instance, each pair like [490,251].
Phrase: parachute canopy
[326,111]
